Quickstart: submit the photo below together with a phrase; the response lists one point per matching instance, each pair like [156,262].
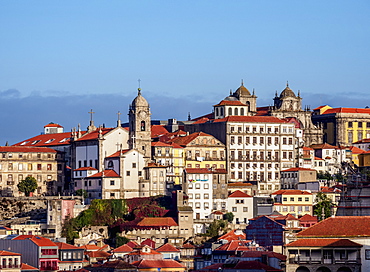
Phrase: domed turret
[287,92]
[139,100]
[241,91]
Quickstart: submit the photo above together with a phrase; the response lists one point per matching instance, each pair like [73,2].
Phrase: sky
[59,59]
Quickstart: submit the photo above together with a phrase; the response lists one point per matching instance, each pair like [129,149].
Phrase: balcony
[318,260]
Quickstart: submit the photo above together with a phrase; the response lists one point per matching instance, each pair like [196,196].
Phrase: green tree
[323,207]
[326,175]
[229,216]
[28,185]
[215,228]
[81,192]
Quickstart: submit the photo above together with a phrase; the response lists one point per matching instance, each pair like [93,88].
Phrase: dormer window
[49,141]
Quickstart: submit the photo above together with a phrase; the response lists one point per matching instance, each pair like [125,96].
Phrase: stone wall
[32,207]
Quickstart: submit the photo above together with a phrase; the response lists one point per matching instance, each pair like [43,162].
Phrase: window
[10,166]
[306,199]
[142,126]
[128,173]
[206,186]
[245,209]
[299,198]
[49,177]
[49,167]
[234,209]
[350,124]
[291,199]
[206,196]
[111,194]
[197,185]
[112,182]
[285,199]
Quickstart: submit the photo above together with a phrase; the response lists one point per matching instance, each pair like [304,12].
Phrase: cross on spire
[91,115]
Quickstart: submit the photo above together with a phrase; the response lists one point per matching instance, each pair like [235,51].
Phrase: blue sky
[59,59]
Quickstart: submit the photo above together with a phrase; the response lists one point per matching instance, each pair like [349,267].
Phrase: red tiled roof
[140,253]
[38,240]
[339,226]
[106,173]
[201,121]
[161,144]
[235,245]
[231,235]
[239,194]
[298,169]
[185,140]
[123,248]
[45,140]
[307,148]
[323,243]
[26,149]
[28,267]
[95,134]
[132,244]
[53,125]
[320,107]
[118,153]
[261,111]
[167,248]
[158,130]
[89,247]
[62,245]
[346,110]
[97,254]
[198,170]
[157,222]
[165,263]
[356,150]
[291,192]
[318,159]
[230,103]
[8,253]
[324,146]
[363,141]
[188,245]
[154,165]
[85,169]
[308,217]
[251,119]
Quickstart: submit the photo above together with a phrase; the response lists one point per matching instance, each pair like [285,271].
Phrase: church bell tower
[140,126]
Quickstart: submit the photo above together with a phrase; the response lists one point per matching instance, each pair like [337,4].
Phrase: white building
[241,205]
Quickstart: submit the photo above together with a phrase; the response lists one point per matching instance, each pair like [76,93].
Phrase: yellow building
[343,126]
[202,150]
[172,156]
[355,154]
[294,202]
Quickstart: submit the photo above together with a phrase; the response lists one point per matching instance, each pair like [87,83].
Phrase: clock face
[142,114]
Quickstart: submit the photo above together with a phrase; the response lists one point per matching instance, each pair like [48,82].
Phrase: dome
[287,92]
[139,100]
[230,98]
[242,91]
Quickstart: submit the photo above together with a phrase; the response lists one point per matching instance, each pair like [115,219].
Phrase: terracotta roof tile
[28,267]
[231,235]
[85,169]
[346,110]
[123,248]
[230,103]
[97,254]
[238,194]
[298,169]
[118,153]
[356,150]
[339,226]
[167,248]
[165,263]
[157,222]
[291,192]
[106,173]
[324,146]
[62,245]
[158,130]
[258,254]
[53,125]
[45,140]
[198,170]
[8,253]
[323,243]
[95,134]
[38,240]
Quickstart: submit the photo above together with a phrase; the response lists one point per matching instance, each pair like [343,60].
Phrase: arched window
[242,111]
[222,111]
[142,126]
[248,106]
[230,111]
[217,112]
[110,164]
[236,111]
